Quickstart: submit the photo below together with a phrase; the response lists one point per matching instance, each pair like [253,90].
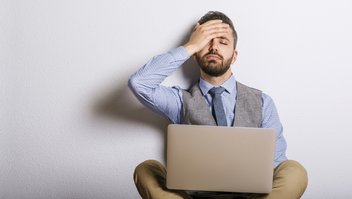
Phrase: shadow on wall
[120,104]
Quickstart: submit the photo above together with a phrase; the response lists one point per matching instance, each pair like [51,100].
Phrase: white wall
[70,128]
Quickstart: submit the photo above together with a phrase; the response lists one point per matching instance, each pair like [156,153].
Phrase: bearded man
[213,44]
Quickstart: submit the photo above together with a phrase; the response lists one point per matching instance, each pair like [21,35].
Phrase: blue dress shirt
[167,101]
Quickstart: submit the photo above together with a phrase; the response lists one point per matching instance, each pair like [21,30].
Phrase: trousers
[290,180]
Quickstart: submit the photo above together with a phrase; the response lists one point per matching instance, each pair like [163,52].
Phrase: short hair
[213,15]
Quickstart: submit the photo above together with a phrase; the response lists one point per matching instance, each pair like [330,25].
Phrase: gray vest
[248,108]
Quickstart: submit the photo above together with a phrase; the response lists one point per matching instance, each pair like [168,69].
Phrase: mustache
[213,53]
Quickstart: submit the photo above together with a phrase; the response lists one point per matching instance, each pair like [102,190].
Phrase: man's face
[218,55]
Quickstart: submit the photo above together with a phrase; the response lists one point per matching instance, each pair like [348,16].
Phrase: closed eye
[224,42]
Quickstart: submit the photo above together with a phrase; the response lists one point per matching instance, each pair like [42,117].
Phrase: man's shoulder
[192,90]
[243,87]
[265,98]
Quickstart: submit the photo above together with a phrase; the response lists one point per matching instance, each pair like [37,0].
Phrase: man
[213,44]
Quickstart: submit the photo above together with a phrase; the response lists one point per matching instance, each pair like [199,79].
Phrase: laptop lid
[214,158]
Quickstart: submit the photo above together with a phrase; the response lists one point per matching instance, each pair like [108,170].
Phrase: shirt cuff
[179,53]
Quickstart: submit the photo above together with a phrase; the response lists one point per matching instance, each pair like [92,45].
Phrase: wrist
[191,49]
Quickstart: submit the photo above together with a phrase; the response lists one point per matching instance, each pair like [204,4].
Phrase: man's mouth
[211,57]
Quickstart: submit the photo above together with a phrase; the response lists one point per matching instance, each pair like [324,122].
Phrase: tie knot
[216,90]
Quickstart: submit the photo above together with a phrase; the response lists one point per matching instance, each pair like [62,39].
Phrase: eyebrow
[224,38]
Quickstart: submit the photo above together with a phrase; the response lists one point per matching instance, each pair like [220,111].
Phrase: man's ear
[234,56]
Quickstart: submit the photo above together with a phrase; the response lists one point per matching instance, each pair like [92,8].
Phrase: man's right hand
[204,33]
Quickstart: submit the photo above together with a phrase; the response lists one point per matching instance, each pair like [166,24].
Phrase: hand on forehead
[215,26]
[204,33]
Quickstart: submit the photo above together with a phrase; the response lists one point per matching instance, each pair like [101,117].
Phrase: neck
[216,81]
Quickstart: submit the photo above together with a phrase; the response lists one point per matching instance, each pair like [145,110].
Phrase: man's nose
[213,46]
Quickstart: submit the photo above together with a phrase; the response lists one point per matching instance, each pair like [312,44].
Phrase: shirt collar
[229,85]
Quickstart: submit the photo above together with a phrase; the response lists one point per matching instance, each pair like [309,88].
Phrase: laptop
[220,159]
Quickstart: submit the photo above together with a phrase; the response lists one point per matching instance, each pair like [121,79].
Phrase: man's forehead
[227,36]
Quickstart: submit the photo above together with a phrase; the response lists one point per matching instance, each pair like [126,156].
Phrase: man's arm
[145,84]
[271,120]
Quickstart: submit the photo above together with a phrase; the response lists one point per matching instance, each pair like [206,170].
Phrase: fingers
[208,23]
[205,32]
[215,21]
[211,32]
[212,24]
[212,29]
[217,34]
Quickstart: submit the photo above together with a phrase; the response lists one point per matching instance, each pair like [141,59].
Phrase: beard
[214,68]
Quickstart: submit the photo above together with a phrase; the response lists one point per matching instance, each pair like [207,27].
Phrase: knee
[298,173]
[296,168]
[145,167]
